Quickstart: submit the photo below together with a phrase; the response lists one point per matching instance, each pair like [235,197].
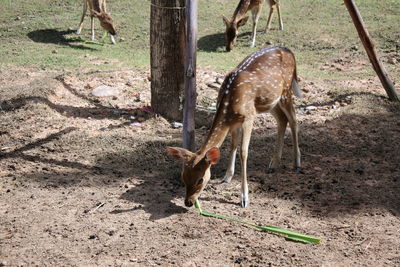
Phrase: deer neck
[241,10]
[222,123]
[97,6]
[216,136]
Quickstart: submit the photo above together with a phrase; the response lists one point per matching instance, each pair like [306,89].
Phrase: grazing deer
[274,5]
[239,19]
[98,9]
[263,82]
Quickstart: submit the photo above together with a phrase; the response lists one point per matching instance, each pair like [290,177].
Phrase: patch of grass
[41,34]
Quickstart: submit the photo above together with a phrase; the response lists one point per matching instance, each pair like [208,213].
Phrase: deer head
[105,21]
[231,32]
[196,171]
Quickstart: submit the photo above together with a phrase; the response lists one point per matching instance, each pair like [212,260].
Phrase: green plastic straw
[288,234]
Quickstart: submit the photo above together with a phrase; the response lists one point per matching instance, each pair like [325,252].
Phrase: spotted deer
[263,82]
[98,9]
[274,5]
[239,19]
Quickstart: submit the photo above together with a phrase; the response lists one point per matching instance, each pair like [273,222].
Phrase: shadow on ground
[351,165]
[212,43]
[97,111]
[216,42]
[54,36]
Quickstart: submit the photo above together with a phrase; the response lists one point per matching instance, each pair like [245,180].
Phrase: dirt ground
[85,180]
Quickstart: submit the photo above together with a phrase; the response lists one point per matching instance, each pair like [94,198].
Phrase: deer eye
[200,181]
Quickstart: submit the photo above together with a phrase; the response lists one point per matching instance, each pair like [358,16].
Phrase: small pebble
[311,108]
[213,85]
[220,80]
[392,61]
[135,124]
[176,125]
[93,236]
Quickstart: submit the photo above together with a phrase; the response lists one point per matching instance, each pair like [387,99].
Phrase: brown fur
[239,19]
[263,82]
[97,9]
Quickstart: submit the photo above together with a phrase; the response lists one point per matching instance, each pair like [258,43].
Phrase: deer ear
[213,155]
[242,21]
[180,154]
[225,20]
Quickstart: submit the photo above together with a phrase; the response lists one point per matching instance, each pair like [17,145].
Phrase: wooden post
[167,56]
[370,49]
[190,76]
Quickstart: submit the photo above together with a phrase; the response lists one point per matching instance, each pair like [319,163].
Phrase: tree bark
[167,48]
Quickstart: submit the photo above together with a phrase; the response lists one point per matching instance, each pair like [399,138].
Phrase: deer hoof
[226,180]
[298,170]
[113,40]
[245,201]
[271,170]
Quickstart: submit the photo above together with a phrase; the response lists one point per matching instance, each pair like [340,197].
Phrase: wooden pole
[167,48]
[190,76]
[370,49]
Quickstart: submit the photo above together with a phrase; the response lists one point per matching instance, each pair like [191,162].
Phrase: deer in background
[239,19]
[98,9]
[274,5]
[263,82]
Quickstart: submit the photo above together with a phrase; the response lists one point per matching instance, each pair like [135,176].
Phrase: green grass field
[40,34]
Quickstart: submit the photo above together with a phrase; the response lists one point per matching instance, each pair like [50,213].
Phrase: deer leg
[256,16]
[78,31]
[104,8]
[282,121]
[232,156]
[288,108]
[112,39]
[247,126]
[271,13]
[280,17]
[92,27]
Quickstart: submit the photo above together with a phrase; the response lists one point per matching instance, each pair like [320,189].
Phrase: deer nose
[188,203]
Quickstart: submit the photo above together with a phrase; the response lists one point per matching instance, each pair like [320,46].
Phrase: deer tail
[295,85]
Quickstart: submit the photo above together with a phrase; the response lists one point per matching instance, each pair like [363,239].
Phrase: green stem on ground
[289,234]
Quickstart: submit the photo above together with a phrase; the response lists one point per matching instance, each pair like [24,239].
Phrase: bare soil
[85,180]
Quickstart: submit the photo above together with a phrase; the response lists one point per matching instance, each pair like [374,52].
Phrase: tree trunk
[167,48]
[370,49]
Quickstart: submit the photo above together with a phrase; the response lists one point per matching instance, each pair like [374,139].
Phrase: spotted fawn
[265,81]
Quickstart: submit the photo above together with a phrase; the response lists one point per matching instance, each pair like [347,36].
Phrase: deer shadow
[212,43]
[54,36]
[217,42]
